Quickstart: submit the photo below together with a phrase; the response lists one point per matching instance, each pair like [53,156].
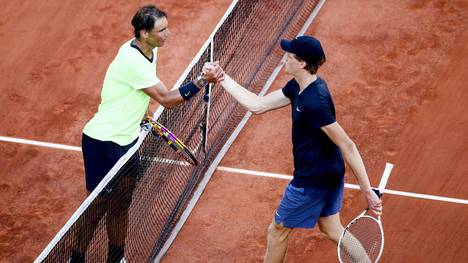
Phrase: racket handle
[377,192]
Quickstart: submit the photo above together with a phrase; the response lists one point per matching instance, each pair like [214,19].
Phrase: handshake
[212,72]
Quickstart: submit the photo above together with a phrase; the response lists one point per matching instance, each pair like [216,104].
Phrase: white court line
[350,186]
[42,144]
[75,148]
[242,171]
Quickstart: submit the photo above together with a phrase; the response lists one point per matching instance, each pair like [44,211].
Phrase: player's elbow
[349,147]
[168,106]
[257,110]
[257,107]
[166,102]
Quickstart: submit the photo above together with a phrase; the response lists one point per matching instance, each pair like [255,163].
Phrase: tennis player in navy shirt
[320,146]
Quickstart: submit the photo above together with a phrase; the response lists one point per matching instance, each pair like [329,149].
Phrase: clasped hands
[212,72]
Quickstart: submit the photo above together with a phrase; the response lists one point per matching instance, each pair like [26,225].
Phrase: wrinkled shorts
[302,207]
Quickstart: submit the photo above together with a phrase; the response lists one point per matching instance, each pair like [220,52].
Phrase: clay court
[397,72]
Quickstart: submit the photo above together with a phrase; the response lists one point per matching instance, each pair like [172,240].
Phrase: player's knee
[325,232]
[332,233]
[331,227]
[278,232]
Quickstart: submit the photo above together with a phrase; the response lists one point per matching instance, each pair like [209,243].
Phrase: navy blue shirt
[318,162]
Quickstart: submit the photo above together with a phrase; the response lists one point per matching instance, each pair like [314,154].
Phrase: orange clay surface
[396,69]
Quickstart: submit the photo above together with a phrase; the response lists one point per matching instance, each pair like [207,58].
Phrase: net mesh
[135,212]
[362,241]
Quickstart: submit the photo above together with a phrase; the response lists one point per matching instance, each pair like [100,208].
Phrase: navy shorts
[302,207]
[100,156]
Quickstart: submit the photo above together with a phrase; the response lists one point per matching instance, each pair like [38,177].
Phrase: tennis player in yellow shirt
[129,84]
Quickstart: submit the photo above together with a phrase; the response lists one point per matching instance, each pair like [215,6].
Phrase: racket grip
[377,192]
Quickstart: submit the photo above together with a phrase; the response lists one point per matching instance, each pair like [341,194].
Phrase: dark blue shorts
[302,207]
[100,156]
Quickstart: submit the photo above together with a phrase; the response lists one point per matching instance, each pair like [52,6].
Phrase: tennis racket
[204,125]
[363,238]
[175,143]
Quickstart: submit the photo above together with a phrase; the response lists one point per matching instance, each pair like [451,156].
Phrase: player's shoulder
[318,89]
[317,94]
[126,50]
[322,87]
[290,88]
[130,56]
[292,83]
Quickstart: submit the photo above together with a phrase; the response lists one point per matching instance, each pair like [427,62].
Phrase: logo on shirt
[186,94]
[299,110]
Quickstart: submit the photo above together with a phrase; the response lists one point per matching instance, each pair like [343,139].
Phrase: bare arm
[253,102]
[167,98]
[351,154]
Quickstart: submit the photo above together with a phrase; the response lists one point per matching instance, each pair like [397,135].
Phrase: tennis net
[142,198]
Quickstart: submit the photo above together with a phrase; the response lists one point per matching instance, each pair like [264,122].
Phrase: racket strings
[171,140]
[362,241]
